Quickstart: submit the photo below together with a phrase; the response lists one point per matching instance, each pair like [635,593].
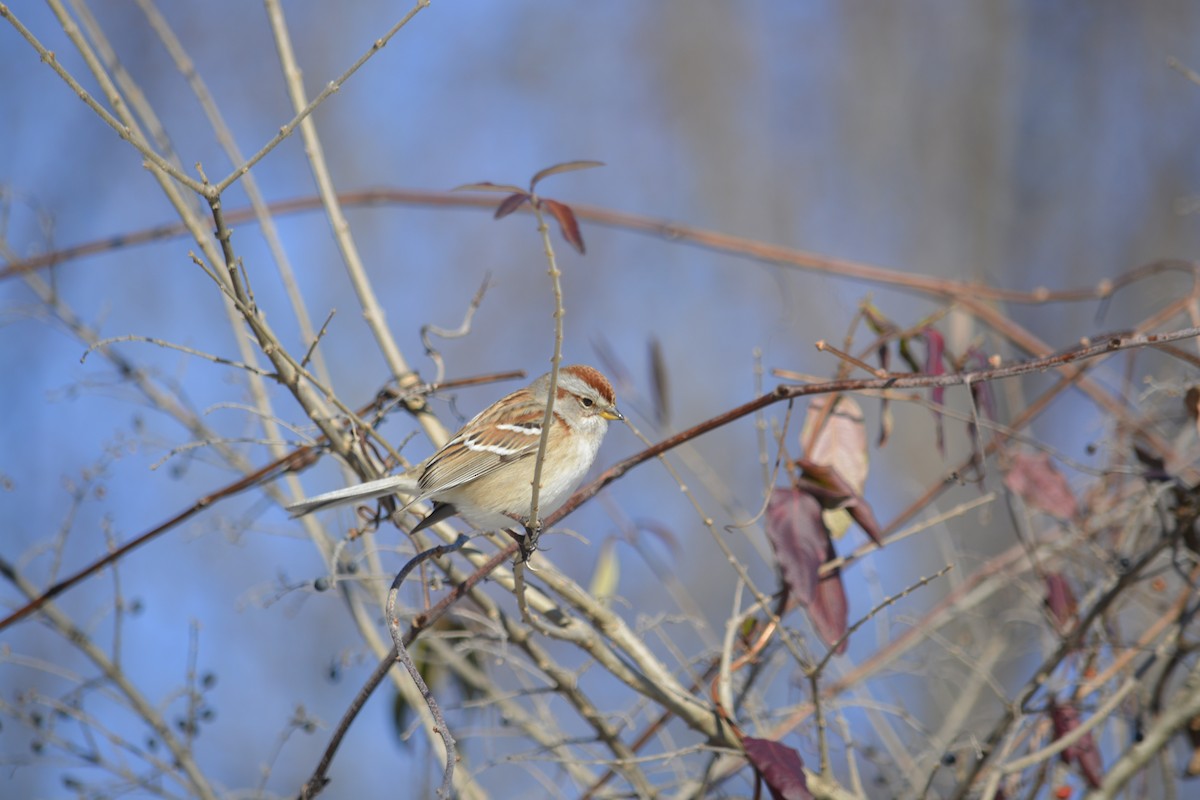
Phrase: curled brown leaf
[566,223]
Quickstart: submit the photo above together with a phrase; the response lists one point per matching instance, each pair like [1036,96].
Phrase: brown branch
[906,381]
[419,623]
[295,460]
[663,229]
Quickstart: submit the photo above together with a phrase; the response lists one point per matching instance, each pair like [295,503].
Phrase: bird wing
[484,445]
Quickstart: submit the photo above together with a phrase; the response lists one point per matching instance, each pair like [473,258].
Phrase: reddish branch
[663,229]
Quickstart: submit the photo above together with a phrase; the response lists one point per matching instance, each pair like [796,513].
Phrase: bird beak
[613,414]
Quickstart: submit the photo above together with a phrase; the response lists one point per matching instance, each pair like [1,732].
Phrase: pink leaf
[1060,600]
[780,766]
[841,442]
[1036,480]
[1083,753]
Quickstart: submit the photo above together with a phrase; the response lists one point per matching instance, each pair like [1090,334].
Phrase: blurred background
[1017,144]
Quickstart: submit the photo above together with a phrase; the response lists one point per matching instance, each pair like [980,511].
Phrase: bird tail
[392,484]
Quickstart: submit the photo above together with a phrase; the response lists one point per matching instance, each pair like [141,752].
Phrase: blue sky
[1015,144]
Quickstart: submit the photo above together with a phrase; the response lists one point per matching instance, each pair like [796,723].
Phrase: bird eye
[587,402]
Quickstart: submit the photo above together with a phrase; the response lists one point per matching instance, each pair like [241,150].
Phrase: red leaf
[780,766]
[862,513]
[981,392]
[1036,480]
[510,204]
[829,611]
[935,345]
[1083,753]
[1060,599]
[566,223]
[801,543]
[800,540]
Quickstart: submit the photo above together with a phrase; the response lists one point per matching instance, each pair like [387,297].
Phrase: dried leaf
[1060,600]
[780,767]
[886,420]
[827,486]
[907,355]
[1083,753]
[558,169]
[862,513]
[841,442]
[799,538]
[660,389]
[829,610]
[607,574]
[877,321]
[510,204]
[801,543]
[1036,480]
[566,223]
[487,186]
[981,392]
[935,346]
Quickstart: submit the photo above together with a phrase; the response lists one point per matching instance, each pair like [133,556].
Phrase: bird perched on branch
[484,473]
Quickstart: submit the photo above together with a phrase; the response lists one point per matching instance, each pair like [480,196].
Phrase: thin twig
[126,132]
[533,526]
[418,624]
[402,655]
[191,351]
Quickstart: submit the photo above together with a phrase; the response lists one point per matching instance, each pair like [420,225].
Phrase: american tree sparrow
[485,472]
